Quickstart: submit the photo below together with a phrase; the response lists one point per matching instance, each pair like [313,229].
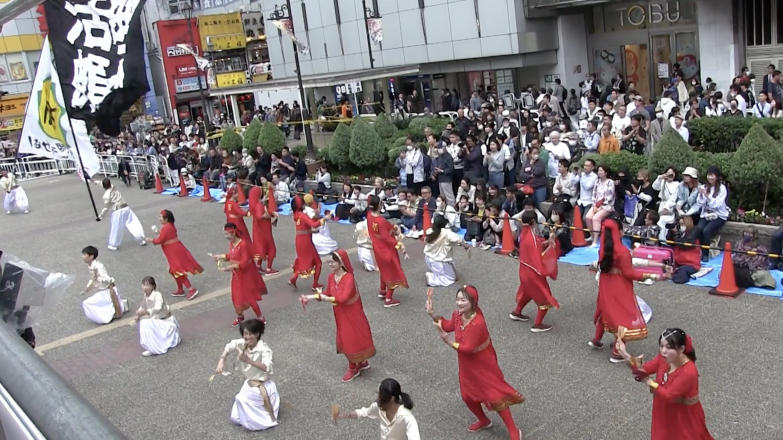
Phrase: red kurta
[533,272]
[306,255]
[181,262]
[616,305]
[354,338]
[236,215]
[247,285]
[677,412]
[480,378]
[384,247]
[263,239]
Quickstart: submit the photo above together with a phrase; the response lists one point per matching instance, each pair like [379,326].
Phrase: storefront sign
[185,85]
[211,4]
[176,51]
[650,14]
[549,81]
[222,31]
[11,124]
[13,105]
[186,71]
[230,79]
[348,88]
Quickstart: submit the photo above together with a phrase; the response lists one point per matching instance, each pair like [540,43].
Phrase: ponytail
[438,224]
[607,262]
[405,400]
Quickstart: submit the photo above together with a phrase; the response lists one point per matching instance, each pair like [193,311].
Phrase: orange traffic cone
[728,281]
[205,183]
[271,203]
[241,198]
[578,234]
[158,184]
[426,220]
[183,190]
[507,239]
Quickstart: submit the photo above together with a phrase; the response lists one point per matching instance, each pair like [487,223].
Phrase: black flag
[99,55]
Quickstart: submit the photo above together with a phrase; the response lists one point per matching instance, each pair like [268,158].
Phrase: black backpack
[146,181]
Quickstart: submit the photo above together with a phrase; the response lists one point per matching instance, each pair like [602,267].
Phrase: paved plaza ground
[572,391]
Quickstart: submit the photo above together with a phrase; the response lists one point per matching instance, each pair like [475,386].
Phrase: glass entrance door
[637,68]
[661,61]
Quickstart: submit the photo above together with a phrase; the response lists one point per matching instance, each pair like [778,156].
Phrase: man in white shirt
[587,179]
[620,122]
[681,128]
[592,138]
[282,192]
[121,217]
[557,151]
[762,109]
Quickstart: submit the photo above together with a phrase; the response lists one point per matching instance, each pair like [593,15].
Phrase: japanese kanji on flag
[99,54]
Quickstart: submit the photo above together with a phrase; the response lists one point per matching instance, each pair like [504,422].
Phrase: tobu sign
[650,14]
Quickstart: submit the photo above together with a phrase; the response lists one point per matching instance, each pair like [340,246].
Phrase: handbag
[528,190]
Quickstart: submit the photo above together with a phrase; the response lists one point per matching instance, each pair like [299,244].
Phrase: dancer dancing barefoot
[480,378]
[385,243]
[392,410]
[263,239]
[354,338]
[677,412]
[247,285]
[308,262]
[181,261]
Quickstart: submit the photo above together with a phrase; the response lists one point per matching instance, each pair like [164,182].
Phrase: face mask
[572,142]
[747,238]
[547,124]
[693,84]
[244,154]
[480,126]
[410,147]
[534,157]
[562,127]
[682,228]
[506,124]
[546,139]
[555,219]
[639,182]
[439,204]
[440,150]
[733,106]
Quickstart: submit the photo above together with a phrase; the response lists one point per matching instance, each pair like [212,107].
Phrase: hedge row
[725,134]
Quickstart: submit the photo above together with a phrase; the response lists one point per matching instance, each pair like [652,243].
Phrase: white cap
[690,171]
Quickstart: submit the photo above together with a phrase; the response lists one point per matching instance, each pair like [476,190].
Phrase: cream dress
[159,331]
[255,409]
[99,308]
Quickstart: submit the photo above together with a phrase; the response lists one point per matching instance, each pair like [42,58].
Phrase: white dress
[438,257]
[15,198]
[324,244]
[99,308]
[160,331]
[250,409]
[364,246]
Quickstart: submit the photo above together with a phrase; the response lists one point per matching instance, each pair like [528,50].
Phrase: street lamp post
[368,14]
[187,11]
[281,13]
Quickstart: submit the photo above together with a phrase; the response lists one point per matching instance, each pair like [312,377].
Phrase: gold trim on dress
[350,301]
[483,346]
[396,285]
[653,387]
[690,400]
[630,335]
[506,402]
[360,357]
[172,241]
[544,307]
[455,345]
[304,273]
[255,383]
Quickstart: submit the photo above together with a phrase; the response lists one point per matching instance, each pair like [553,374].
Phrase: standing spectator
[762,109]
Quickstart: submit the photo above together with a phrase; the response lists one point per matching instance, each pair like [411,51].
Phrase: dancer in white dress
[437,253]
[392,410]
[158,328]
[106,304]
[364,246]
[121,217]
[15,197]
[324,243]
[257,405]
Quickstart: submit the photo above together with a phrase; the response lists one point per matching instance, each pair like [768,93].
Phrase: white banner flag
[46,130]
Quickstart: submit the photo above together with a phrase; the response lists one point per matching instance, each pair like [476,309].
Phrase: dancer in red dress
[537,260]
[264,241]
[480,378]
[354,338]
[677,412]
[616,305]
[384,246]
[181,262]
[247,285]
[308,262]
[236,215]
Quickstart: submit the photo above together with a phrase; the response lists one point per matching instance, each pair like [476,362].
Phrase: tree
[271,138]
[367,150]
[671,151]
[385,127]
[250,137]
[340,145]
[230,141]
[756,164]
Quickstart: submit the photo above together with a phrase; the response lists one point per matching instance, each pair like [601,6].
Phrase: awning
[189,96]
[564,3]
[321,80]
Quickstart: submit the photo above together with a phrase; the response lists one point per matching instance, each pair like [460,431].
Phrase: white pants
[159,335]
[249,411]
[99,308]
[124,218]
[174,177]
[441,274]
[16,201]
[366,257]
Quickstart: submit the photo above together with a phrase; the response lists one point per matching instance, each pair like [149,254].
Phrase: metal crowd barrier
[138,164]
[32,167]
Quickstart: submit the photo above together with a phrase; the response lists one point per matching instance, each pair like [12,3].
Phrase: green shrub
[724,134]
[302,150]
[384,127]
[400,141]
[755,166]
[271,138]
[402,124]
[339,147]
[367,150]
[617,161]
[417,126]
[251,134]
[670,151]
[704,160]
[230,141]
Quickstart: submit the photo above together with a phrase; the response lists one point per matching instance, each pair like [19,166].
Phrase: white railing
[32,167]
[137,164]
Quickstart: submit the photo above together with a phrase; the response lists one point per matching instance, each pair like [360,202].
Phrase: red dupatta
[540,257]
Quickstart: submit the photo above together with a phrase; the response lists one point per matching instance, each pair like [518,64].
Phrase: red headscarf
[473,292]
[297,204]
[345,261]
[255,197]
[229,195]
[610,226]
[230,227]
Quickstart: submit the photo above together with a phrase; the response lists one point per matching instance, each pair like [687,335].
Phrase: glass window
[618,17]
[5,76]
[607,64]
[17,67]
[758,22]
[231,63]
[258,52]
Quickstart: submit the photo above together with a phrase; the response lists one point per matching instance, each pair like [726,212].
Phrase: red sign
[176,66]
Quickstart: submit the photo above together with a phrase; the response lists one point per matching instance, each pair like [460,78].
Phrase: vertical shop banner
[99,54]
[46,130]
[286,26]
[375,27]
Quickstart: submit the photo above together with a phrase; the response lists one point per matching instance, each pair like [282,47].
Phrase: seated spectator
[751,270]
[390,203]
[668,193]
[475,221]
[465,210]
[649,233]
[510,202]
[494,227]
[416,225]
[190,182]
[559,225]
[378,189]
[466,189]
[442,208]
[714,211]
[687,259]
[345,202]
[359,207]
[282,192]
[530,205]
[324,180]
[646,197]
[565,187]
[688,194]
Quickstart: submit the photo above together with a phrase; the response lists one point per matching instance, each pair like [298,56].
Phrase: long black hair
[438,223]
[390,390]
[607,247]
[676,338]
[373,203]
[168,215]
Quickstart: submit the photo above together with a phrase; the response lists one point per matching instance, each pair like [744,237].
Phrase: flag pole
[85,177]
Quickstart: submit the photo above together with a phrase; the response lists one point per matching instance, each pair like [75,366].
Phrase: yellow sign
[11,124]
[13,105]
[222,31]
[230,79]
[261,78]
[50,112]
